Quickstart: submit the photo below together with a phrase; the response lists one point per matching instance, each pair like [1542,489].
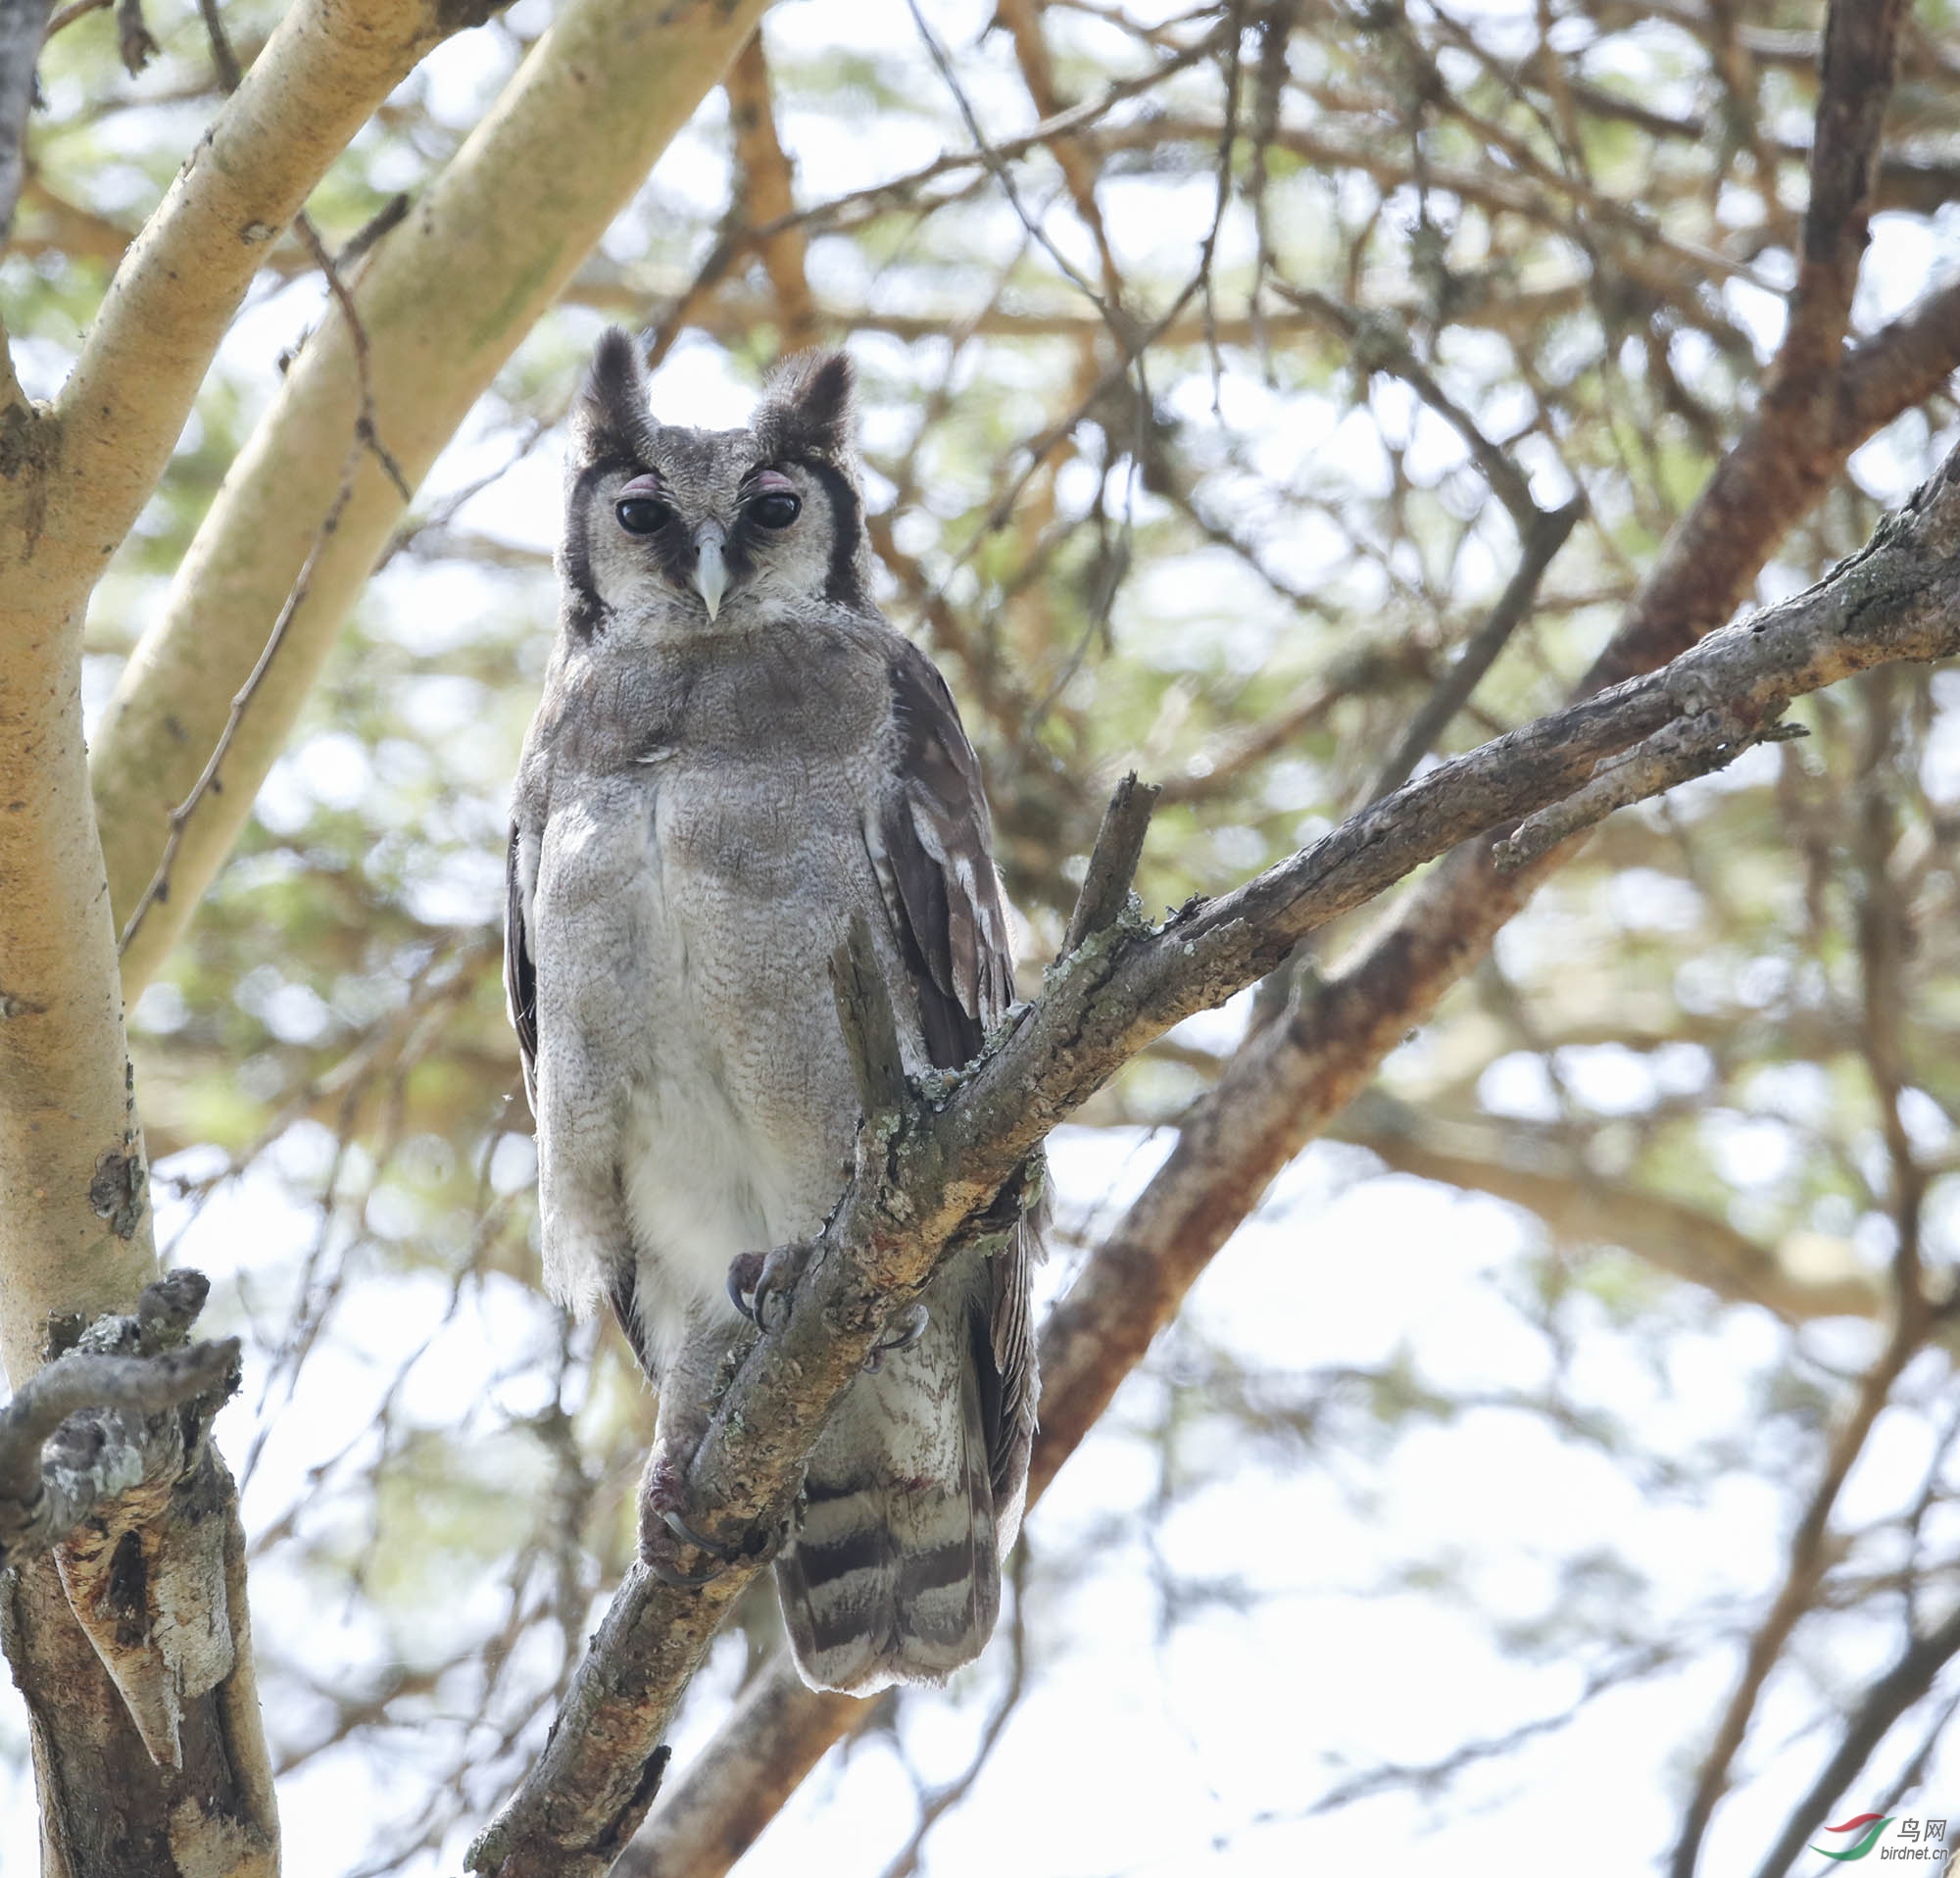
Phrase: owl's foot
[761,1282]
[906,1330]
[666,1534]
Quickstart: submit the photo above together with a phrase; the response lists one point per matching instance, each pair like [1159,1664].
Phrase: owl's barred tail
[895,1574]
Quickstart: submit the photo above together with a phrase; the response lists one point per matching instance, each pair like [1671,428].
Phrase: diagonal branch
[916,1186]
[1796,441]
[1859,56]
[1544,538]
[1290,1080]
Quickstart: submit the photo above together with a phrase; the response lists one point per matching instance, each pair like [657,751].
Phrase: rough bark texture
[444,300]
[916,1185]
[116,1515]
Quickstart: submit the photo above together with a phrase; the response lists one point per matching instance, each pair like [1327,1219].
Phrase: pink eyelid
[649,487]
[773,482]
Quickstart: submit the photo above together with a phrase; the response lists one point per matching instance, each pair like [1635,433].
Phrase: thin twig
[367,438]
[1543,541]
[230,74]
[159,887]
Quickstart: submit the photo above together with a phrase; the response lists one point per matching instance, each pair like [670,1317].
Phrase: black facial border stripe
[848,516]
[585,611]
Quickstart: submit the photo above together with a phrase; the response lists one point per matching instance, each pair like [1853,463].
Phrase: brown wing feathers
[941,858]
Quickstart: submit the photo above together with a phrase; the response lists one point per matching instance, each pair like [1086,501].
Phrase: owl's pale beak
[711,571]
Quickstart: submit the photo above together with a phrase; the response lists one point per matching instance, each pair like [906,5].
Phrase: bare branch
[1860,55]
[1808,1554]
[716,1807]
[157,890]
[75,10]
[1112,862]
[1677,751]
[122,408]
[1798,439]
[1101,1005]
[1378,345]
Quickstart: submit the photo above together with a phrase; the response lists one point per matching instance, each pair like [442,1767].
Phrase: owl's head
[705,525]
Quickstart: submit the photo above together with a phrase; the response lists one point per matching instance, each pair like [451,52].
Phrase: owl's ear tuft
[809,407]
[611,418]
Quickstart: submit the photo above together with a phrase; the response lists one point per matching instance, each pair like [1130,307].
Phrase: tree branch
[105,1463]
[1796,441]
[1125,986]
[1859,57]
[1543,537]
[1807,1558]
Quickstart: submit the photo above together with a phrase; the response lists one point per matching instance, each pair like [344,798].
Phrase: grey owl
[734,755]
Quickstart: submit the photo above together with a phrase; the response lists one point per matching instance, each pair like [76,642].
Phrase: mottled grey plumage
[735,754]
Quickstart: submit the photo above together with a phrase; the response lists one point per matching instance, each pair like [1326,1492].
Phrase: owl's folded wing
[944,899]
[521,972]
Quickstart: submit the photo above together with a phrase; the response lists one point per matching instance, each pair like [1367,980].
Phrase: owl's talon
[757,1279]
[743,1272]
[906,1331]
[672,1574]
[664,1528]
[715,1549]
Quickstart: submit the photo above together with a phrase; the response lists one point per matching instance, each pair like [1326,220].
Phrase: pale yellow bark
[68,1135]
[75,1231]
[444,300]
[76,1236]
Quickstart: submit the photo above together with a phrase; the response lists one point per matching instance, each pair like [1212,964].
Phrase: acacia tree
[1531,265]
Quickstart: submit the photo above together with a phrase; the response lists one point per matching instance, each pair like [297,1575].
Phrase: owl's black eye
[777,509]
[641,514]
